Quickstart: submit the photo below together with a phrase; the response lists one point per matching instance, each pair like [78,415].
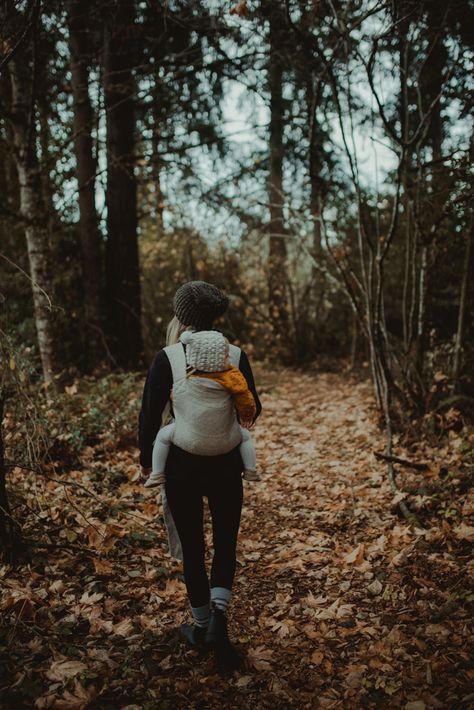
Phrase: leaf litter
[337,602]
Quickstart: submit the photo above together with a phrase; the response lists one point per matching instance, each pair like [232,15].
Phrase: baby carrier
[205,417]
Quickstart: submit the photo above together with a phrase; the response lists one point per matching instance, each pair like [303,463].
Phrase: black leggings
[188,479]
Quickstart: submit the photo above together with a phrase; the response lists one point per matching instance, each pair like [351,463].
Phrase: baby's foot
[155,479]
[251,475]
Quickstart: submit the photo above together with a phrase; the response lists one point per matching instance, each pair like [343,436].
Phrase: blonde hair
[174,330]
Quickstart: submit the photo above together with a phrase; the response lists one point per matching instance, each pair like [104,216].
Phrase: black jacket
[156,394]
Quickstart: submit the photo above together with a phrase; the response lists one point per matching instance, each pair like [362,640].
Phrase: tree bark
[4,507]
[86,167]
[10,533]
[431,83]
[277,259]
[158,117]
[462,311]
[45,140]
[410,253]
[122,269]
[318,280]
[314,175]
[32,208]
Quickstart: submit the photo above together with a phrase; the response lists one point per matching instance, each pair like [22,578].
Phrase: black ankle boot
[217,638]
[216,633]
[194,635]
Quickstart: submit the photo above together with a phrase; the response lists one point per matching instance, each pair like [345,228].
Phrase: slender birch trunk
[33,210]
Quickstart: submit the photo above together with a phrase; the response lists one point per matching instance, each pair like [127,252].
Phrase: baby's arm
[244,401]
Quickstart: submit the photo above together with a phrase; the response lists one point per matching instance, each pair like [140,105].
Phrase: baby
[207,356]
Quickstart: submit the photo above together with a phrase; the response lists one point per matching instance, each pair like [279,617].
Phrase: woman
[190,477]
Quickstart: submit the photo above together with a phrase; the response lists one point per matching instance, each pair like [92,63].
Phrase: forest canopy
[312,158]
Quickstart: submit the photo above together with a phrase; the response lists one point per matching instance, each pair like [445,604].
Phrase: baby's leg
[249,457]
[161,449]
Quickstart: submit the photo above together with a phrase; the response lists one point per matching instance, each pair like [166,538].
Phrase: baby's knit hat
[198,304]
[205,350]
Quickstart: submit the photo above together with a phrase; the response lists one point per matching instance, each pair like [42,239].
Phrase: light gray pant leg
[161,448]
[174,543]
[247,451]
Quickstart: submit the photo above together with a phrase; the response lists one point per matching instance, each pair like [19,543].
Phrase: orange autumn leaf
[103,567]
[241,9]
[356,556]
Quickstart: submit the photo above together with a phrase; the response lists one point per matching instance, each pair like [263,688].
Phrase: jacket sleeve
[156,394]
[246,370]
[245,405]
[244,401]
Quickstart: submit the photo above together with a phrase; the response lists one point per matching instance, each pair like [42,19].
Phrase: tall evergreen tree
[79,13]
[122,275]
[277,256]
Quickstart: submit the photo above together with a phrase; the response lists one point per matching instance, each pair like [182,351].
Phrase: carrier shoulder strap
[177,358]
[234,354]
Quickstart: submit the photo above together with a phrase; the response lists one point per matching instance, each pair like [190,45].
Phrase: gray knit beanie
[198,304]
[206,350]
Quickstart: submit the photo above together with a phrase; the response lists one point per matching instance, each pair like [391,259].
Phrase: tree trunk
[10,534]
[463,300]
[4,507]
[122,269]
[45,139]
[158,117]
[33,210]
[86,165]
[431,84]
[277,259]
[314,175]
[316,201]
[410,253]
[354,339]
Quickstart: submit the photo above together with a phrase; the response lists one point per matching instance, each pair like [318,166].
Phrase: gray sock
[201,615]
[220,597]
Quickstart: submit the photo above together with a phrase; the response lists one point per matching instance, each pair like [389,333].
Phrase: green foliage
[45,427]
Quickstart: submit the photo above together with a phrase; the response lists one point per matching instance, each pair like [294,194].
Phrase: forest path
[327,604]
[307,529]
[337,602]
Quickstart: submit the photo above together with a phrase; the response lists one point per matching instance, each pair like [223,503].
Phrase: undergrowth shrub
[41,427]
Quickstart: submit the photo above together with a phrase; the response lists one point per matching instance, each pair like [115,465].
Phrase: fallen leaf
[355,557]
[90,599]
[103,567]
[123,628]
[241,9]
[464,532]
[61,670]
[375,587]
[260,658]
[317,657]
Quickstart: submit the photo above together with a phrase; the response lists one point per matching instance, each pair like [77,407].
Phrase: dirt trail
[348,605]
[337,602]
